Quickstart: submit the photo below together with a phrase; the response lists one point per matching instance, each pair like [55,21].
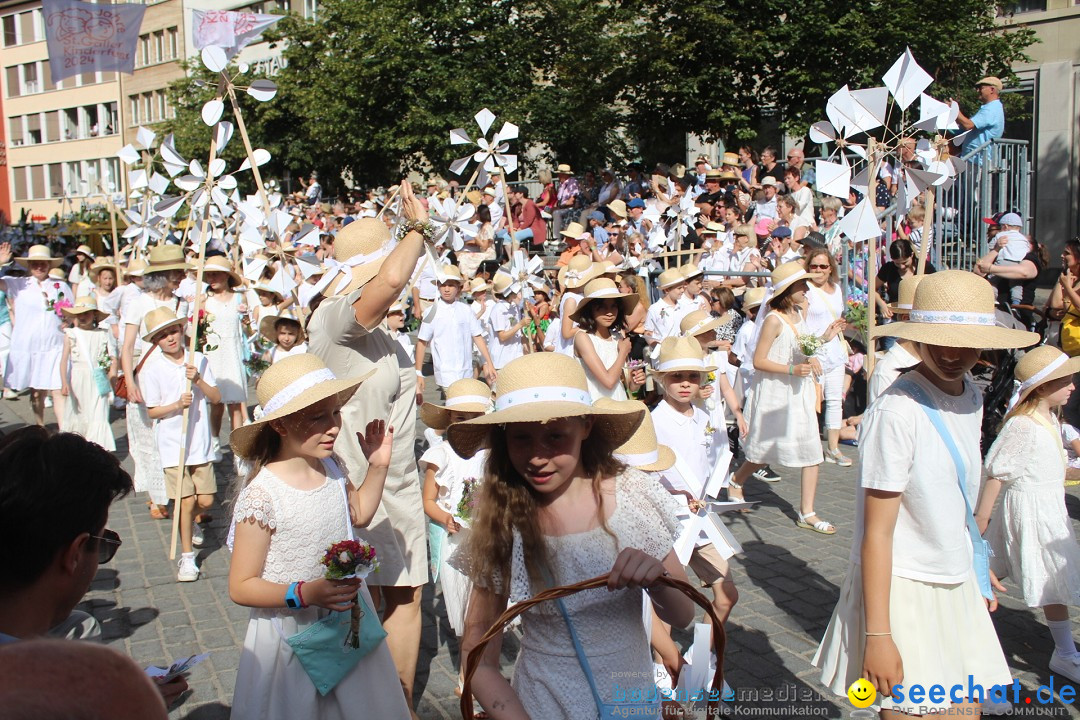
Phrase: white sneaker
[1067,666]
[10,394]
[197,536]
[189,571]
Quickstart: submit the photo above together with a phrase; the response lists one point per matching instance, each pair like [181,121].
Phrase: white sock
[189,555]
[1061,631]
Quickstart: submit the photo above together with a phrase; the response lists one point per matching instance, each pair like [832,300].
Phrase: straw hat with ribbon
[159,319]
[906,295]
[573,231]
[478,284]
[268,329]
[670,278]
[578,271]
[691,270]
[641,451]
[955,308]
[264,288]
[221,264]
[85,304]
[699,321]
[163,258]
[682,354]
[602,289]
[563,169]
[360,249]
[38,253]
[504,285]
[730,158]
[1038,367]
[539,388]
[449,273]
[295,383]
[101,264]
[57,274]
[471,396]
[786,276]
[753,298]
[85,250]
[136,267]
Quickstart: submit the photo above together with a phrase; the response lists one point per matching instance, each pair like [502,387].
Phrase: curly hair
[507,503]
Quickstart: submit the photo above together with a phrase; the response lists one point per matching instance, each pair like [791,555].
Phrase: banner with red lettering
[229,30]
[83,37]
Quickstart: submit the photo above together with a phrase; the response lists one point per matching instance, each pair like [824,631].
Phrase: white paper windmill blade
[490,153]
[453,222]
[527,271]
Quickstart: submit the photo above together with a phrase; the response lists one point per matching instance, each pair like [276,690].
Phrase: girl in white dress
[910,609]
[86,365]
[36,337]
[1030,530]
[227,359]
[447,478]
[572,278]
[297,502]
[601,344]
[780,405]
[557,508]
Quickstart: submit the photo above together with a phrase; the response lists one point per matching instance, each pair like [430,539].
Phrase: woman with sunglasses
[824,306]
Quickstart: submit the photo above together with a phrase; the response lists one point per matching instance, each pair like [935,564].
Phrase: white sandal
[821,526]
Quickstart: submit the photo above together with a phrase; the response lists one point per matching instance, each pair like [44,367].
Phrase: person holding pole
[163,382]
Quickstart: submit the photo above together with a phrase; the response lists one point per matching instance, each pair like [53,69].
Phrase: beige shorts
[709,565]
[198,480]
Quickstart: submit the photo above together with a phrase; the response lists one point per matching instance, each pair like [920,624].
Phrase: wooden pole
[250,153]
[871,260]
[927,229]
[112,226]
[191,347]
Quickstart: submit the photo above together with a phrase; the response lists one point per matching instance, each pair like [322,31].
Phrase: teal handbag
[321,648]
[322,651]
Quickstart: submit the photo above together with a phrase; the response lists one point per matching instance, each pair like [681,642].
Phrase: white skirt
[943,633]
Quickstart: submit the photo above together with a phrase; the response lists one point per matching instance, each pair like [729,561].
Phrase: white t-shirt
[162,381]
[133,309]
[1015,250]
[662,319]
[888,369]
[689,304]
[1068,435]
[426,284]
[823,308]
[503,317]
[497,212]
[449,329]
[688,436]
[405,342]
[277,354]
[902,452]
[554,333]
[805,198]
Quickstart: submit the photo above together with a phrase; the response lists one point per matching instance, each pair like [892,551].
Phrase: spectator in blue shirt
[986,124]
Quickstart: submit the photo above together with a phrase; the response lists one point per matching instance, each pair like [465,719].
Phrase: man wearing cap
[565,198]
[988,123]
[634,222]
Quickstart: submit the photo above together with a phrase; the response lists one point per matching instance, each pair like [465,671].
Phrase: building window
[135,117]
[110,119]
[19,174]
[11,30]
[74,178]
[30,79]
[311,8]
[171,42]
[33,129]
[144,50]
[111,174]
[56,180]
[159,46]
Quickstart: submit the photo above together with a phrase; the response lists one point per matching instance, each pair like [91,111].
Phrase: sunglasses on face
[108,543]
[819,267]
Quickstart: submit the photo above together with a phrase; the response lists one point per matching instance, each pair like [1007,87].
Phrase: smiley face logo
[862,693]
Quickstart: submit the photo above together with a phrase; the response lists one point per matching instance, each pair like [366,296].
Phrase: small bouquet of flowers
[855,309]
[631,367]
[57,306]
[809,344]
[203,333]
[256,366]
[470,496]
[350,559]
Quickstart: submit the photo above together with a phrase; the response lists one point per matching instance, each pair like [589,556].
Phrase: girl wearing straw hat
[228,313]
[297,501]
[602,344]
[1030,531]
[285,331]
[912,608]
[84,259]
[556,508]
[36,338]
[781,403]
[572,279]
[87,365]
[160,278]
[451,487]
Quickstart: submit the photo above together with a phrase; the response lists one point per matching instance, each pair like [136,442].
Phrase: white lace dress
[608,352]
[780,409]
[548,677]
[270,682]
[86,411]
[227,360]
[1030,530]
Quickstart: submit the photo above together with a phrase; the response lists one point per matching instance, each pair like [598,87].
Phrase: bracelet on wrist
[884,634]
[291,599]
[425,227]
[791,369]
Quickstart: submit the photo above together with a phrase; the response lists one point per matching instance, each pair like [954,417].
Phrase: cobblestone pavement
[788,581]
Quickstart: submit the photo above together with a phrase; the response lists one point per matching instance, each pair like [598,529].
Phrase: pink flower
[56,286]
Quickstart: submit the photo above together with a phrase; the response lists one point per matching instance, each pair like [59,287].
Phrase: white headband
[638,459]
[543,394]
[298,386]
[953,317]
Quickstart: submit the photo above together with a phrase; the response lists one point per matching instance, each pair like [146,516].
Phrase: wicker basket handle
[473,659]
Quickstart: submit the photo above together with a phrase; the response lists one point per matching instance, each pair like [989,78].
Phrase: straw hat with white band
[268,325]
[641,451]
[580,270]
[753,298]
[573,231]
[1040,366]
[297,382]
[471,396]
[786,276]
[955,308]
[539,388]
[57,274]
[690,270]
[85,304]
[100,264]
[681,354]
[163,258]
[563,169]
[221,264]
[360,248]
[699,321]
[264,288]
[669,278]
[85,250]
[478,284]
[602,289]
[906,294]
[38,253]
[157,320]
[136,267]
[504,285]
[449,273]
